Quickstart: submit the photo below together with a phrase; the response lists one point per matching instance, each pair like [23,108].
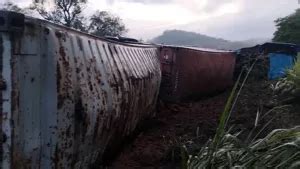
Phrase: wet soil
[175,124]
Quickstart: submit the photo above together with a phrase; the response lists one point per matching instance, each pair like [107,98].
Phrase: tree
[69,13]
[9,6]
[103,23]
[288,28]
[65,12]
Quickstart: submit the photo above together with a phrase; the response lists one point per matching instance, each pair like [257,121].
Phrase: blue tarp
[279,63]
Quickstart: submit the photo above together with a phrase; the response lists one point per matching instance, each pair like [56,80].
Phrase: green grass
[279,149]
[293,75]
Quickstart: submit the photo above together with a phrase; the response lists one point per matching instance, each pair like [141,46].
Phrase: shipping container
[67,95]
[191,73]
[271,59]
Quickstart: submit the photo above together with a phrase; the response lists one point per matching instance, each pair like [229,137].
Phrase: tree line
[70,13]
[102,23]
[288,28]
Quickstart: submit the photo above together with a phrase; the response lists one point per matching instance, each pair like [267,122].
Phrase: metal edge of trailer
[10,22]
[97,90]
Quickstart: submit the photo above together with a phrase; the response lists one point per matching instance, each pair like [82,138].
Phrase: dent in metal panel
[121,83]
[132,80]
[139,102]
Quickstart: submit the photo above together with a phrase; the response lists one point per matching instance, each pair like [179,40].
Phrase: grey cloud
[143,1]
[110,1]
[151,1]
[256,20]
[213,5]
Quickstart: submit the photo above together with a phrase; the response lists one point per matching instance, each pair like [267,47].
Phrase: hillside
[184,38]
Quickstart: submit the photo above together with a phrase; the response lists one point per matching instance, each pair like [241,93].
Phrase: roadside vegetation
[293,79]
[278,149]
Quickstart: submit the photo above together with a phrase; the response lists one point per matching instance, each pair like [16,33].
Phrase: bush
[293,76]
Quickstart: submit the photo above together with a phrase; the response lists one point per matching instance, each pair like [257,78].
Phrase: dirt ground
[175,124]
[196,122]
[258,100]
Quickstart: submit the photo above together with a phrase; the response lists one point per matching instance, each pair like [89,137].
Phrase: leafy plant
[279,149]
[288,28]
[293,75]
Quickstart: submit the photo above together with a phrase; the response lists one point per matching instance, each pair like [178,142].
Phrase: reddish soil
[175,124]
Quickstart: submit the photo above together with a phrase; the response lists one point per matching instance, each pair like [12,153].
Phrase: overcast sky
[228,19]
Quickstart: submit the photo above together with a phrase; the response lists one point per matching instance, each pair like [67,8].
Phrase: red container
[189,73]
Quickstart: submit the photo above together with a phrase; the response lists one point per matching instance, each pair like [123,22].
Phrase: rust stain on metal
[85,93]
[189,73]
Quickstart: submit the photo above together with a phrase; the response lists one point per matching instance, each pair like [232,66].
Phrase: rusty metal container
[66,95]
[191,73]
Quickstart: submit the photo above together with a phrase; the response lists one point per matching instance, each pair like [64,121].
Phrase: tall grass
[293,75]
[279,149]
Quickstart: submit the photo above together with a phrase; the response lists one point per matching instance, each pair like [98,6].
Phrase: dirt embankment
[259,103]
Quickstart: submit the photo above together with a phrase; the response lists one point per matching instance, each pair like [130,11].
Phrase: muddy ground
[156,147]
[174,125]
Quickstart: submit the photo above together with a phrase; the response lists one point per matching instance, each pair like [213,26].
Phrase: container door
[5,96]
[167,59]
[279,63]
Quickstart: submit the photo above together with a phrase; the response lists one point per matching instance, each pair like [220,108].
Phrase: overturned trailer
[190,73]
[67,95]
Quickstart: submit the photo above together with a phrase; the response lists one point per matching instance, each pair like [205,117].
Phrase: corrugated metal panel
[190,73]
[73,94]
